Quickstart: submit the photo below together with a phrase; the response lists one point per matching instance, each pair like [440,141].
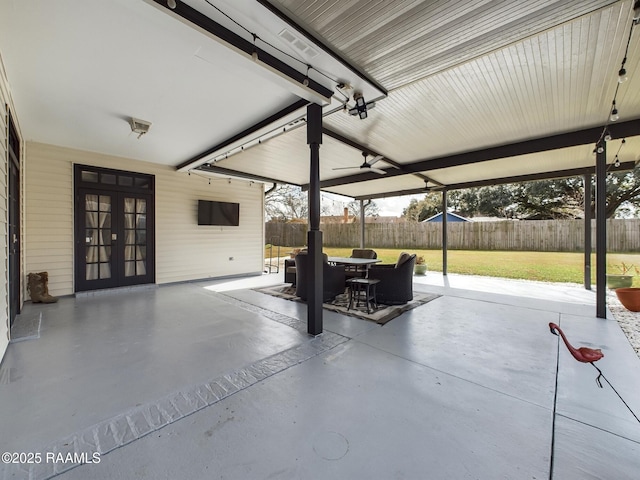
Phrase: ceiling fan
[367,165]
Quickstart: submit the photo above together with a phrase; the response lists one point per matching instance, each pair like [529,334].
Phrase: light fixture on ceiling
[622,75]
[362,106]
[607,135]
[172,4]
[636,12]
[139,126]
[616,163]
[254,52]
[614,112]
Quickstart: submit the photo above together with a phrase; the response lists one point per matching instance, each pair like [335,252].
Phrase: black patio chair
[333,277]
[353,271]
[396,280]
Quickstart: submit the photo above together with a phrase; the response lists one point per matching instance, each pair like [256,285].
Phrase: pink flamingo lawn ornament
[588,355]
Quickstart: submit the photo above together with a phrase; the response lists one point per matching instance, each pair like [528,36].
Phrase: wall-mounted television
[218,213]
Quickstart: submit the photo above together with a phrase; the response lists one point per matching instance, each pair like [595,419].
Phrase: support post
[587,231]
[601,231]
[362,223]
[314,236]
[444,233]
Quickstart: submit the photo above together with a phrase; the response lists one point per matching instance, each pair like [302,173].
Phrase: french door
[14,223]
[114,229]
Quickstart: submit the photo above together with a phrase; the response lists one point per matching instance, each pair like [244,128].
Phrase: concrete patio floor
[215,380]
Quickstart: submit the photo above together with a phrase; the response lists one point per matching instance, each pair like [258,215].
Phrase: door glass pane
[91,219]
[92,255]
[105,203]
[105,220]
[125,181]
[129,205]
[108,178]
[105,270]
[105,254]
[98,236]
[129,219]
[91,203]
[142,182]
[135,223]
[92,271]
[89,176]
[129,269]
[141,267]
[141,237]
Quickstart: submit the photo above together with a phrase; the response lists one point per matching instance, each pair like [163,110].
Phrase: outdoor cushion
[404,256]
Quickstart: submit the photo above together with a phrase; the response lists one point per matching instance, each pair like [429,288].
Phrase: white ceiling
[459,76]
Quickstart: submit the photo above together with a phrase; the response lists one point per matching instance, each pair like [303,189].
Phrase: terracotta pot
[630,298]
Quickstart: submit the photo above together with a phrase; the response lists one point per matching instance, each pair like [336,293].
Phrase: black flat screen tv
[218,213]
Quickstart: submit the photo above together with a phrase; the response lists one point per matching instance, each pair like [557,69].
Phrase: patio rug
[381,315]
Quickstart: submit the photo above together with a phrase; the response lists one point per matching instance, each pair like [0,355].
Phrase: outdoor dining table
[356,262]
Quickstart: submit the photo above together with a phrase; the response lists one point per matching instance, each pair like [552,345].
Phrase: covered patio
[470,385]
[118,118]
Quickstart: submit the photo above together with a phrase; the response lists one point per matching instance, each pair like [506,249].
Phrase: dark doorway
[114,221]
[14,222]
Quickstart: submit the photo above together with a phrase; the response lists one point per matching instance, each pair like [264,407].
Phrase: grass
[565,267]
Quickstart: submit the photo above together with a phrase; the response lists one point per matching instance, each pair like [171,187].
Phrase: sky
[389,207]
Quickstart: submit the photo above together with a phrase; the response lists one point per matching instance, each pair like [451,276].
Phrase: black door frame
[14,240]
[110,182]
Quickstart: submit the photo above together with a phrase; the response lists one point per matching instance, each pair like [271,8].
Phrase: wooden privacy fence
[526,235]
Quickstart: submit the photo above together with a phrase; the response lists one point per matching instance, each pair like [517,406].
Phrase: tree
[419,210]
[623,194]
[286,203]
[550,199]
[371,209]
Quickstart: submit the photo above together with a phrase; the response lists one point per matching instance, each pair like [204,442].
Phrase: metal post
[444,232]
[587,231]
[601,231]
[362,223]
[314,236]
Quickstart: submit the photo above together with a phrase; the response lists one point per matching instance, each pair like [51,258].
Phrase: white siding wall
[184,250]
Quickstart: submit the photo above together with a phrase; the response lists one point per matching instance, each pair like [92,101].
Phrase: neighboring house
[451,217]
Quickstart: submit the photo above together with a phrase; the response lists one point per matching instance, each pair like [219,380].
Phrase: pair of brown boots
[38,288]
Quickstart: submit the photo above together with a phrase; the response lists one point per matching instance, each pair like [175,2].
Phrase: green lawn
[543,266]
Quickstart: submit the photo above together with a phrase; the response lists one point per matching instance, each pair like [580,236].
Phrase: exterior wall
[184,250]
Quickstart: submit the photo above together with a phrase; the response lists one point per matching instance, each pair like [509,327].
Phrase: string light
[614,112]
[622,73]
[614,115]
